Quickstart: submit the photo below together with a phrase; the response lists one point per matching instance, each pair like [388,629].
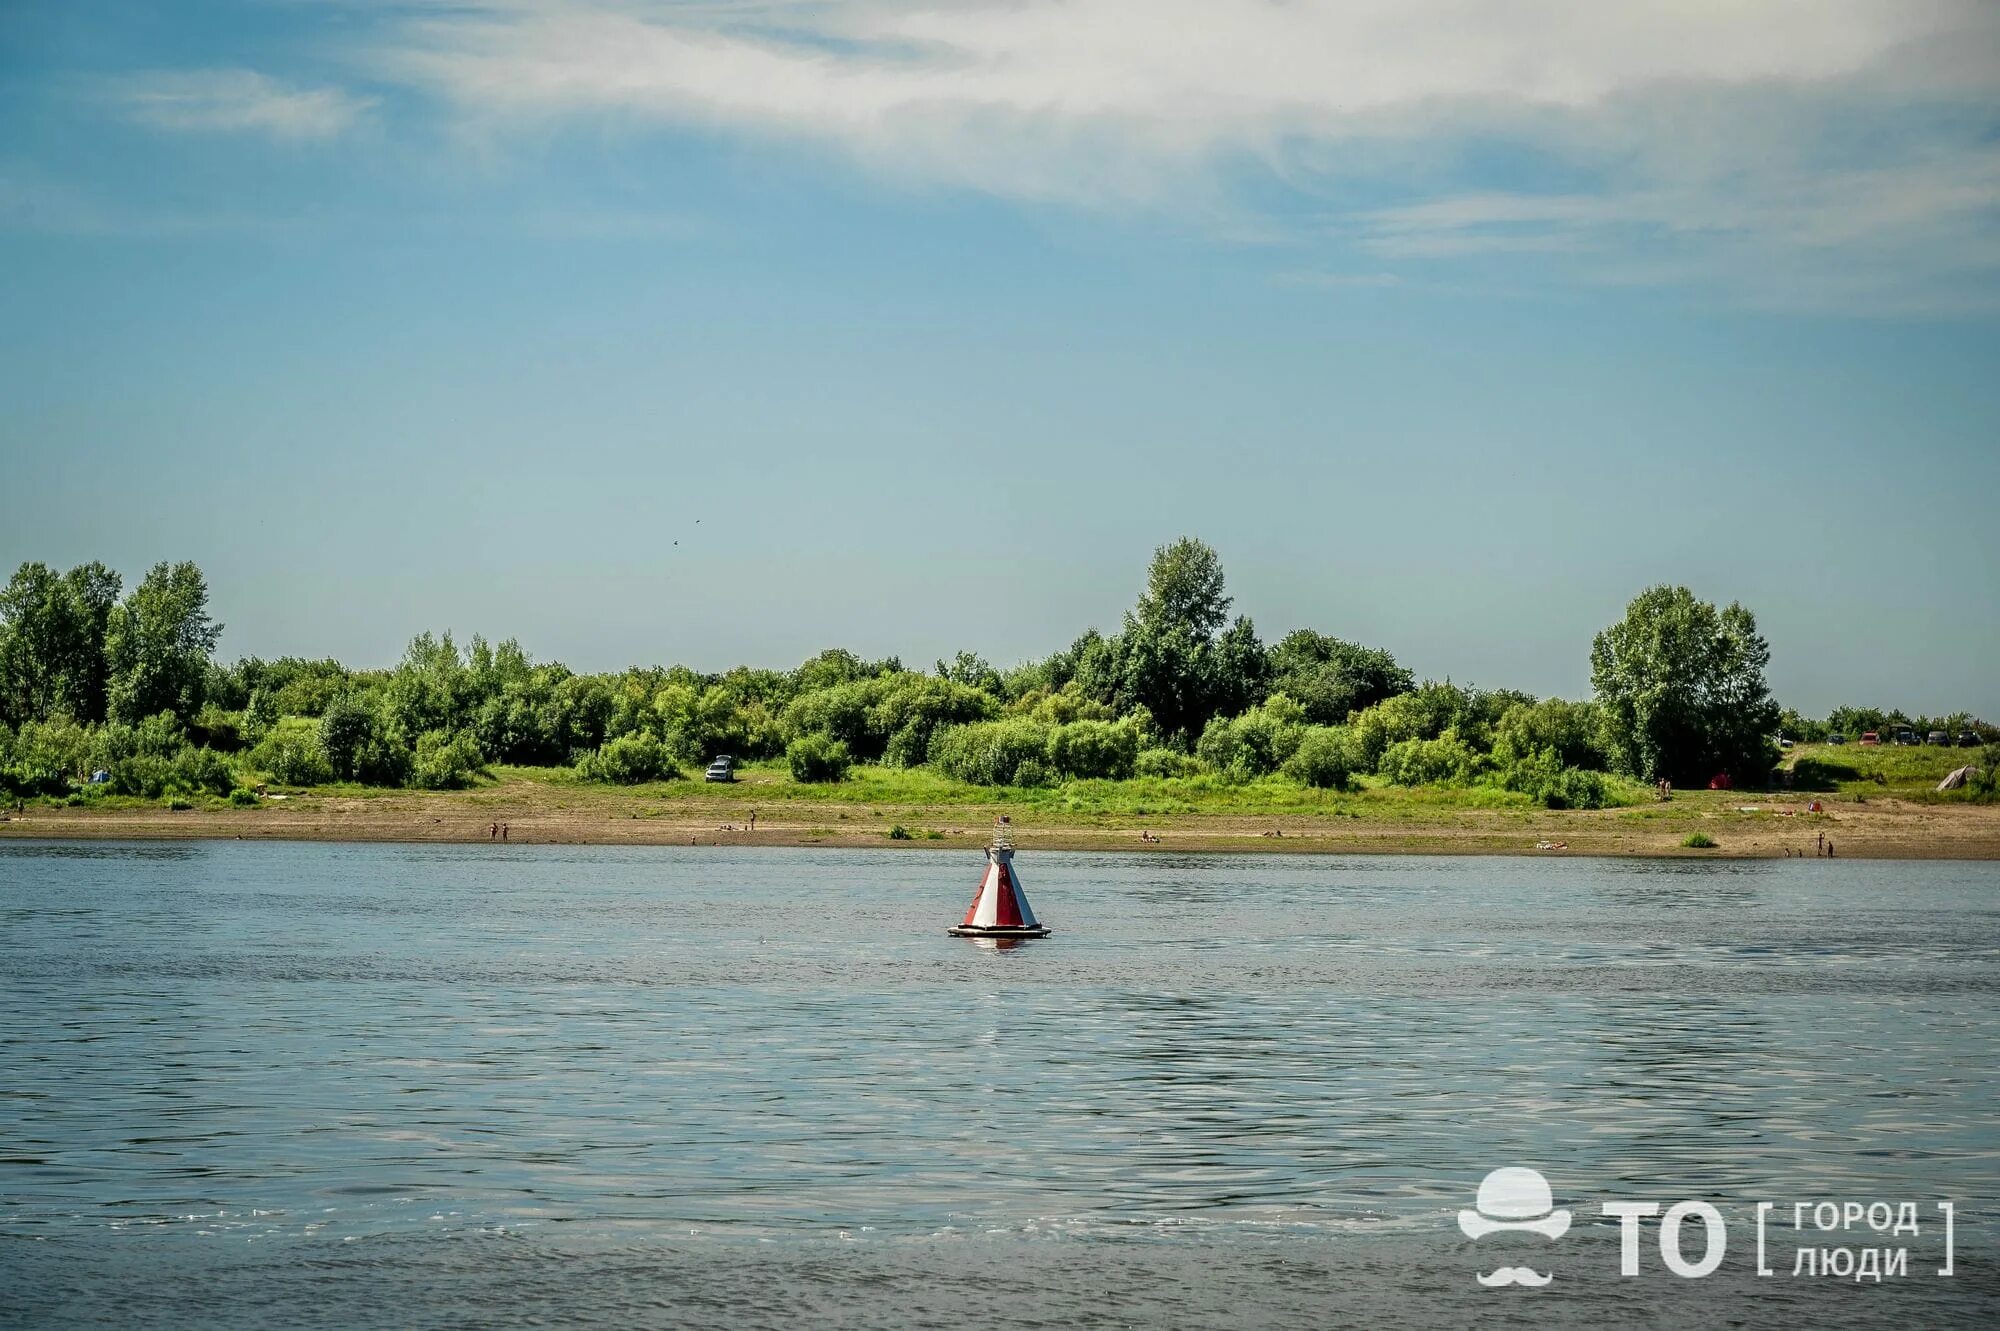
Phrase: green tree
[360,745]
[52,631]
[1184,590]
[1331,678]
[1682,688]
[157,645]
[1178,654]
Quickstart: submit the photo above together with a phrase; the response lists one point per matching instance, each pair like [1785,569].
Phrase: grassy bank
[1877,802]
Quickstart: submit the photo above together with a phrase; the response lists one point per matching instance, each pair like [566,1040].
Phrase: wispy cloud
[1844,135]
[236,101]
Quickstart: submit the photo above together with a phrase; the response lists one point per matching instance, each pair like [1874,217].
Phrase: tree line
[103,690]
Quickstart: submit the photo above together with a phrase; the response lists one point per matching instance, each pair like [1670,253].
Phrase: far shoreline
[1742,825]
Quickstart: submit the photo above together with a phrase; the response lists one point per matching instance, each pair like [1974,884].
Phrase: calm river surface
[257,1084]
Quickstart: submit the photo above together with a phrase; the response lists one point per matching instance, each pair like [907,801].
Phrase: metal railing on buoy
[1000,908]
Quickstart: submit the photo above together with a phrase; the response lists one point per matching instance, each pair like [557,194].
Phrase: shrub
[915,707]
[188,771]
[360,746]
[445,761]
[24,780]
[900,833]
[846,712]
[1033,774]
[1699,841]
[990,753]
[1822,774]
[1444,761]
[243,797]
[1164,763]
[1087,749]
[1256,743]
[1542,776]
[1425,714]
[160,735]
[142,774]
[1061,707]
[1982,783]
[219,729]
[201,772]
[818,759]
[292,757]
[56,745]
[260,715]
[1571,729]
[628,761]
[1325,758]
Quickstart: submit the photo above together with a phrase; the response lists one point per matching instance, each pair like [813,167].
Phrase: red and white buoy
[1000,909]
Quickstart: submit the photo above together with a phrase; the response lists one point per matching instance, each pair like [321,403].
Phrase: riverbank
[539,809]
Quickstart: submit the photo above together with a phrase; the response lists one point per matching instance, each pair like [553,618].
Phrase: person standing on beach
[493,832]
[503,831]
[753,820]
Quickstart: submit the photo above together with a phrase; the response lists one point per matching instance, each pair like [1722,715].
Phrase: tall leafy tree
[52,642]
[157,645]
[1178,654]
[1682,688]
[1331,678]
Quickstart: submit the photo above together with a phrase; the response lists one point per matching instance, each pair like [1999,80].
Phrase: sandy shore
[1742,825]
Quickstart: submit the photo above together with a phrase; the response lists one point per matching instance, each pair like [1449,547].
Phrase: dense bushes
[291,755]
[1256,743]
[1082,750]
[445,761]
[894,717]
[1179,687]
[1573,731]
[1324,758]
[1021,751]
[991,753]
[1331,679]
[1423,714]
[1444,761]
[628,760]
[360,745]
[1164,763]
[1544,778]
[818,759]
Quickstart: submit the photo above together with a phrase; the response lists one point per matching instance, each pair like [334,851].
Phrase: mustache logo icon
[1514,1275]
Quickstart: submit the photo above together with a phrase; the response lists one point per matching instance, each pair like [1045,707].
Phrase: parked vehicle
[722,769]
[1907,737]
[1784,743]
[1870,737]
[1836,738]
[1937,737]
[1967,740]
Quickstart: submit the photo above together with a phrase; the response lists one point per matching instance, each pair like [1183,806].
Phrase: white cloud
[1815,127]
[236,100]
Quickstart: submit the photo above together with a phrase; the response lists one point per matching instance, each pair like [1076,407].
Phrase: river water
[313,1085]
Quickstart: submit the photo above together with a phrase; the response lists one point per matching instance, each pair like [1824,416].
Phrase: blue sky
[917,327]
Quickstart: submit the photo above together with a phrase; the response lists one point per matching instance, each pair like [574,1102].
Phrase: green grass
[1868,770]
[874,787]
[1699,841]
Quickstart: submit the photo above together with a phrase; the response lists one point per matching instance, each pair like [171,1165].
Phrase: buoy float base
[975,931]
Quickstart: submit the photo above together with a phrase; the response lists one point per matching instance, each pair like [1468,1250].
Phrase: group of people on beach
[497,832]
